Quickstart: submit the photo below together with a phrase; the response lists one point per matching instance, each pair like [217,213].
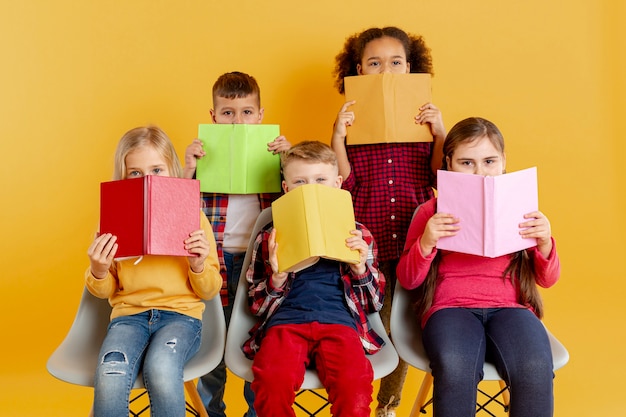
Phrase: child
[236,99]
[475,308]
[387,180]
[315,317]
[157,307]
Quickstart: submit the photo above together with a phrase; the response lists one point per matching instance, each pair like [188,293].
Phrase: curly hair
[417,53]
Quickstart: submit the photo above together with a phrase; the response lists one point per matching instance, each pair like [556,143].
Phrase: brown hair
[310,151]
[521,270]
[236,85]
[146,136]
[417,53]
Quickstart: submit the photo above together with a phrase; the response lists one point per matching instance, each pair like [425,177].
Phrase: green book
[237,160]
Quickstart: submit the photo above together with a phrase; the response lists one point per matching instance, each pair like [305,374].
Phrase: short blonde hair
[310,151]
[146,136]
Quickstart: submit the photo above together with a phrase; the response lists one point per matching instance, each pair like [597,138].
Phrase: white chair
[75,359]
[407,338]
[242,320]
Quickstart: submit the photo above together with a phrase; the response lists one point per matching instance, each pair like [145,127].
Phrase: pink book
[490,210]
[152,215]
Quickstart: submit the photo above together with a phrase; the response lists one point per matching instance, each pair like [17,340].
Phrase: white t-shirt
[241,214]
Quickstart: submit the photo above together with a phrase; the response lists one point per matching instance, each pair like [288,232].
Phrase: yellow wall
[75,75]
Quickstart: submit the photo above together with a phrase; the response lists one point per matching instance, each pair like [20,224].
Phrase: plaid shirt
[214,207]
[387,182]
[363,293]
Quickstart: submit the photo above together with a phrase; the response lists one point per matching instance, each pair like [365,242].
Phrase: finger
[345,106]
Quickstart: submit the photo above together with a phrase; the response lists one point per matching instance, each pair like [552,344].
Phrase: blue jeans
[458,341]
[160,343]
[211,386]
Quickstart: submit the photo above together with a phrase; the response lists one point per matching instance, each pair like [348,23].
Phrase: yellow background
[75,75]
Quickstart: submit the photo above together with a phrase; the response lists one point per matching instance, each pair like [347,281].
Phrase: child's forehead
[251,100]
[298,167]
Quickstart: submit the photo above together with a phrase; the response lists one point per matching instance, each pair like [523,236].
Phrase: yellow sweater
[159,282]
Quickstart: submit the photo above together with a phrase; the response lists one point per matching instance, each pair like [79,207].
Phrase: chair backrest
[407,337]
[75,359]
[242,320]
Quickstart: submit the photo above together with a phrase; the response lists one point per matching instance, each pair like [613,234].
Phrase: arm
[545,259]
[430,114]
[420,248]
[263,296]
[368,286]
[204,269]
[98,278]
[338,141]
[192,153]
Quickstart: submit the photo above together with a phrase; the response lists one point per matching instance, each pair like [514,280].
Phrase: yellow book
[313,221]
[386,106]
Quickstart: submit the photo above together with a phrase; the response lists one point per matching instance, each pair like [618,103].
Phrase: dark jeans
[458,341]
[211,386]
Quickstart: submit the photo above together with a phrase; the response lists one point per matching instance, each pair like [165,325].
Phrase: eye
[247,112]
[320,180]
[133,174]
[227,113]
[298,181]
[157,171]
[397,62]
[374,63]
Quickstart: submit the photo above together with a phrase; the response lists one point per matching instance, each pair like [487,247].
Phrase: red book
[152,215]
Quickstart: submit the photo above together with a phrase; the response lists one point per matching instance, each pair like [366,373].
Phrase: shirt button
[390,182]
[389,160]
[393,217]
[393,200]
[395,236]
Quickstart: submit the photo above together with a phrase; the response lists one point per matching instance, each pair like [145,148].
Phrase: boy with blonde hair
[315,317]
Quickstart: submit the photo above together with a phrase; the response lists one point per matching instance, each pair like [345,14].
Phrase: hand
[438,226]
[198,245]
[101,253]
[278,145]
[430,114]
[278,278]
[344,118]
[538,228]
[356,242]
[192,153]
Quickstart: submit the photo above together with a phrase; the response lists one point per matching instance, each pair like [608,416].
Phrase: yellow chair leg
[194,397]
[506,396]
[422,394]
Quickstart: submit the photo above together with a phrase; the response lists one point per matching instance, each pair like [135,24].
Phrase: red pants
[338,356]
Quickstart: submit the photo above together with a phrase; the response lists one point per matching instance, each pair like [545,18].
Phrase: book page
[237,160]
[386,106]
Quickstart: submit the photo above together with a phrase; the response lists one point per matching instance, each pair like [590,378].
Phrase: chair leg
[506,395]
[420,401]
[194,397]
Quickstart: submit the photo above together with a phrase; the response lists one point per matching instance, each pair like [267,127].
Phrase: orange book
[152,215]
[386,106]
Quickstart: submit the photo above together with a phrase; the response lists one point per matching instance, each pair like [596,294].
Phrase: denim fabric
[160,343]
[458,341]
[211,386]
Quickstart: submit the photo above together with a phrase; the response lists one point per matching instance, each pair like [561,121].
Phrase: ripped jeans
[159,343]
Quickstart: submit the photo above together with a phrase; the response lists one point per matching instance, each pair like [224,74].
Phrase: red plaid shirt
[214,207]
[387,182]
[363,293]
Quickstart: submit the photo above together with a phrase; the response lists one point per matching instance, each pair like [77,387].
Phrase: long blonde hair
[521,270]
[146,136]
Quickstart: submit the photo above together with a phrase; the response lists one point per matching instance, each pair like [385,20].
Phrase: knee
[114,363]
